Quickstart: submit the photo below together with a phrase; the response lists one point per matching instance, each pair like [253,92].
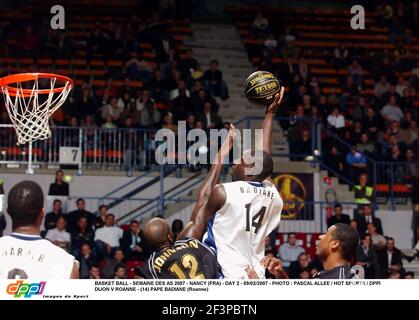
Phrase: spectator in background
[356,71]
[367,257]
[133,243]
[107,238]
[120,271]
[362,191]
[289,251]
[137,68]
[366,217]
[341,56]
[338,216]
[210,119]
[51,217]
[391,111]
[356,162]
[365,145]
[94,272]
[86,258]
[112,108]
[300,269]
[371,123]
[390,260]
[81,236]
[150,116]
[108,124]
[74,216]
[59,236]
[260,24]
[213,79]
[177,227]
[354,224]
[377,239]
[381,87]
[100,220]
[301,146]
[336,121]
[110,263]
[59,187]
[124,101]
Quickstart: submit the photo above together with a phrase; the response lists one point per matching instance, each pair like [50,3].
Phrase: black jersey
[341,272]
[186,259]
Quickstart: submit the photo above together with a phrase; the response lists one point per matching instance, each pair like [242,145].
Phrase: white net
[30,114]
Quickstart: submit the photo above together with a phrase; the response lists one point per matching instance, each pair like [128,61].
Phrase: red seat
[131,265]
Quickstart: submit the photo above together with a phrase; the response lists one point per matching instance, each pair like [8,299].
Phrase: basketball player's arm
[266,143]
[75,272]
[194,228]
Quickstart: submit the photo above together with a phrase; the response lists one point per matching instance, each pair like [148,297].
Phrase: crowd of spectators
[163,81]
[361,125]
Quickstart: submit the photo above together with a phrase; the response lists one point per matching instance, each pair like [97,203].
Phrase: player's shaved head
[157,232]
[25,204]
[254,166]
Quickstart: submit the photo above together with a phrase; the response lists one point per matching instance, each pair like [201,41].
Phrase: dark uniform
[186,259]
[341,272]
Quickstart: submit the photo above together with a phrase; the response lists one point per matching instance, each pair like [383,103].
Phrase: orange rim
[23,77]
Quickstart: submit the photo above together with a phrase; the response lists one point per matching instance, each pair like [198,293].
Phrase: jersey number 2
[256,219]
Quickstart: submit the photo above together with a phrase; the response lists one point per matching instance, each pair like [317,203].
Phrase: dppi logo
[27,290]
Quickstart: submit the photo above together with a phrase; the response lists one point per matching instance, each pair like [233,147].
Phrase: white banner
[208,289]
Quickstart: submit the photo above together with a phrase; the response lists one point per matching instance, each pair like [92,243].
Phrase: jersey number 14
[256,219]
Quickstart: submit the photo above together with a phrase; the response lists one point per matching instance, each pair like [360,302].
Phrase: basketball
[260,88]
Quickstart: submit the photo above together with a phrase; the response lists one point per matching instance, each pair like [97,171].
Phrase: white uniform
[32,257]
[238,230]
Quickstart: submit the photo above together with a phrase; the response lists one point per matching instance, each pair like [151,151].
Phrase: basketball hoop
[31,98]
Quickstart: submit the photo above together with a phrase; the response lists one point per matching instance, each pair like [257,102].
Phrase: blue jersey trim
[25,237]
[255,184]
[210,242]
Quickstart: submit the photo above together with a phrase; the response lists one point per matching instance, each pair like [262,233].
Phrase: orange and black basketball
[260,88]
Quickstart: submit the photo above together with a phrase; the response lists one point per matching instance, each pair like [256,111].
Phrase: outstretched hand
[273,107]
[228,143]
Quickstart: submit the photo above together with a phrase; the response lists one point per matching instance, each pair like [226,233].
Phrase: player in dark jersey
[187,257]
[336,250]
[183,259]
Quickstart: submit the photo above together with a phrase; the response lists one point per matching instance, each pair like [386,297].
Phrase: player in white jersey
[241,214]
[24,254]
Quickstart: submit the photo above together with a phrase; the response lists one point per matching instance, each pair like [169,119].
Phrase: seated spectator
[150,116]
[300,269]
[177,227]
[169,122]
[334,159]
[81,236]
[401,86]
[301,146]
[381,87]
[107,238]
[210,119]
[110,263]
[371,123]
[363,192]
[59,236]
[124,101]
[100,220]
[367,257]
[59,187]
[86,258]
[354,224]
[377,239]
[133,243]
[390,260]
[391,111]
[356,71]
[356,162]
[365,145]
[289,251]
[74,216]
[131,113]
[341,55]
[51,217]
[260,24]
[94,272]
[108,124]
[366,217]
[181,89]
[137,68]
[120,271]
[336,121]
[213,79]
[113,109]
[338,216]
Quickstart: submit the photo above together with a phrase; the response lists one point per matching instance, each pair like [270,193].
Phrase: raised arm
[266,143]
[201,212]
